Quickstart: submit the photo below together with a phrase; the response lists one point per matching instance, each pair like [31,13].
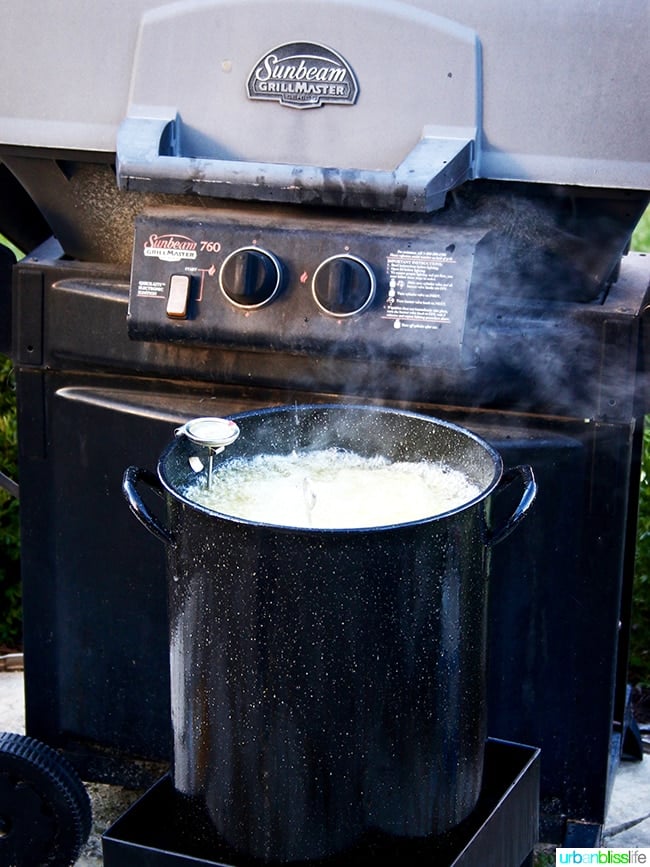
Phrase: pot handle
[132,477]
[525,473]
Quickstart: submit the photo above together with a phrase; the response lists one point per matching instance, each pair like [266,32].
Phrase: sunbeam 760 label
[174,248]
[170,248]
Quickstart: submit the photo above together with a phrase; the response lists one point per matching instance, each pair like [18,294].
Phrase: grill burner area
[163,829]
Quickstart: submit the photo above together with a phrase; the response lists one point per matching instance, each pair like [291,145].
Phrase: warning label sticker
[424,289]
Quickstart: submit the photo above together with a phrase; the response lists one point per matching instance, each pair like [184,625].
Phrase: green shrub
[640,635]
[639,665]
[641,237]
[10,595]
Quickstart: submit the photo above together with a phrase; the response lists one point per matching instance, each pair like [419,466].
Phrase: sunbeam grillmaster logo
[170,248]
[303,75]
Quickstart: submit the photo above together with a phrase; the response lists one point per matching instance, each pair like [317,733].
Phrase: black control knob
[250,277]
[343,285]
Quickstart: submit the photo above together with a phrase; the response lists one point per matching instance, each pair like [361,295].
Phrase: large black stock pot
[328,682]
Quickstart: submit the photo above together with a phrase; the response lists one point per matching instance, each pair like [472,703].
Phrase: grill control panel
[285,281]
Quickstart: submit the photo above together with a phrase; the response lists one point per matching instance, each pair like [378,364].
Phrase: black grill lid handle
[149,160]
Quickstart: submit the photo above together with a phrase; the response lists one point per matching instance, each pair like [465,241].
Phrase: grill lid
[347,102]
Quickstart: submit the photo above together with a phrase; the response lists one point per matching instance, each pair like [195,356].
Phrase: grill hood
[347,102]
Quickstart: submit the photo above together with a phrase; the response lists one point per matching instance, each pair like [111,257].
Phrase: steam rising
[544,282]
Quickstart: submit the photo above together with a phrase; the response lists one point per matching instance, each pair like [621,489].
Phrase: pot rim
[384,410]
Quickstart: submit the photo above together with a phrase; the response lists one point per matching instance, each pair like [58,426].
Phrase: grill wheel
[45,813]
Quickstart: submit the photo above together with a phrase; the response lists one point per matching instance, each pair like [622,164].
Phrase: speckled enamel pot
[329,682]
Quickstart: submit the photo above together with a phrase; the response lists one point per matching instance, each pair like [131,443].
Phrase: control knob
[343,285]
[250,277]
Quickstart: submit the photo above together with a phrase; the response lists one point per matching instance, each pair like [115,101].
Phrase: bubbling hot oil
[332,489]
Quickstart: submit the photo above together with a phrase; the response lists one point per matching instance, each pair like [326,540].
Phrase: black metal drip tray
[164,829]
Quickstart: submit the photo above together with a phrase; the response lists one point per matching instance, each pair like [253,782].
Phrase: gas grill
[416,205]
